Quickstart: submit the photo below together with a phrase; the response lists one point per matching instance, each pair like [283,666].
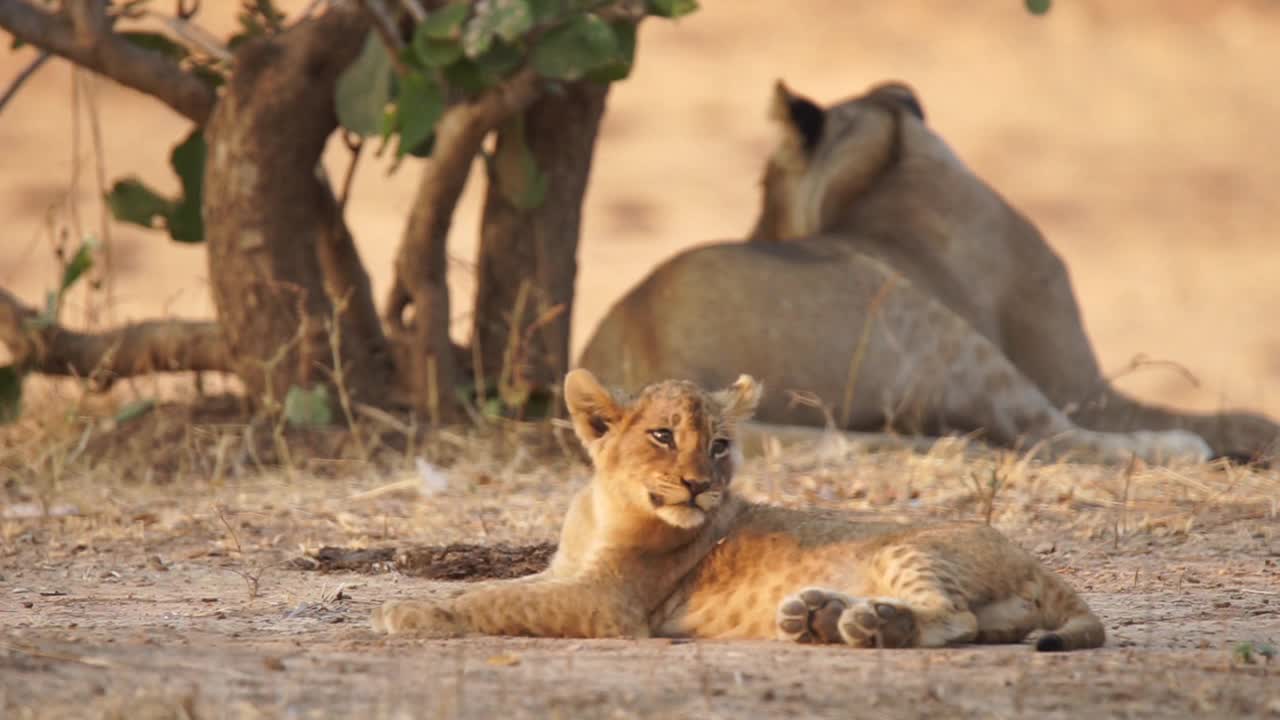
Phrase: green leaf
[155,42]
[583,44]
[620,66]
[134,410]
[673,8]
[133,202]
[308,408]
[390,123]
[475,76]
[492,408]
[1243,652]
[421,104]
[209,74]
[52,301]
[1038,7]
[445,23]
[186,224]
[79,265]
[435,52]
[364,89]
[10,394]
[187,160]
[499,62]
[466,76]
[546,11]
[505,19]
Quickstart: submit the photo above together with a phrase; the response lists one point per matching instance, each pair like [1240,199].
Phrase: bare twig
[88,89]
[415,9]
[384,24]
[235,538]
[194,37]
[339,375]
[23,77]
[355,144]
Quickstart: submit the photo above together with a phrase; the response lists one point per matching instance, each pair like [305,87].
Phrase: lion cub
[658,545]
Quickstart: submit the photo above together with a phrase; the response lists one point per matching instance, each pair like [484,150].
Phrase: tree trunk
[528,256]
[280,255]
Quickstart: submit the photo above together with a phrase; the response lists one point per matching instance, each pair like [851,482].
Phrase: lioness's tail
[1069,624]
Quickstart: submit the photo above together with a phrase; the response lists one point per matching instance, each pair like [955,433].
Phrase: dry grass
[159,585]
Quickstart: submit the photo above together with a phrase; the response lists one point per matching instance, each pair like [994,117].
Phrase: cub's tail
[1069,624]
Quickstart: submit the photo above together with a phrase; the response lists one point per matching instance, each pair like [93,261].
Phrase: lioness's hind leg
[944,370]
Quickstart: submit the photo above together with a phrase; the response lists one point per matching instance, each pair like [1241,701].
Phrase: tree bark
[280,256]
[534,248]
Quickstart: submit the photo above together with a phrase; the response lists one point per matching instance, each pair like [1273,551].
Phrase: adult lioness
[658,544]
[913,296]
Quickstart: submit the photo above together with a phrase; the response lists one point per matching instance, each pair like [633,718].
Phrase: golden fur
[893,284]
[658,545]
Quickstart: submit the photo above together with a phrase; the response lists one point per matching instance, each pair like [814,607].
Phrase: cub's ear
[740,399]
[899,95]
[592,408]
[800,117]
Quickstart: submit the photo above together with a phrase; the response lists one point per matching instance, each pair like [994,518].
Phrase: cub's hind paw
[812,616]
[402,617]
[877,622]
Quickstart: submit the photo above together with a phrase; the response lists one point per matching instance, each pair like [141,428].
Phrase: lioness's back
[706,302]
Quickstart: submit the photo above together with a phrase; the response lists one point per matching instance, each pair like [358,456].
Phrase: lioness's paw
[877,622]
[811,616]
[1165,445]
[397,617]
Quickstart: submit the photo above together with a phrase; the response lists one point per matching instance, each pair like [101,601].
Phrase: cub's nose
[695,487]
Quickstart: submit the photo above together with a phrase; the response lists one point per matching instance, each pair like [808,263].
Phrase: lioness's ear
[900,95]
[740,399]
[799,116]
[591,407]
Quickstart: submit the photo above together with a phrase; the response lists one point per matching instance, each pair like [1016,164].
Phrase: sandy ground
[1140,136]
[142,598]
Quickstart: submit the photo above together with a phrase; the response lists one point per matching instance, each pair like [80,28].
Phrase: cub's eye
[663,437]
[719,447]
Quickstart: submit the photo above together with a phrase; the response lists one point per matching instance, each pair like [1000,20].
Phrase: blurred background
[1139,136]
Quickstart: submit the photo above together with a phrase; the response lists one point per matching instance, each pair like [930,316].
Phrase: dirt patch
[457,561]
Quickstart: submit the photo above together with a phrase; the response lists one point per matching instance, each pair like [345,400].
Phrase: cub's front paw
[405,617]
[812,616]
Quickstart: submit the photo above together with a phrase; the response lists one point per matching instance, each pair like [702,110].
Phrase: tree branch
[84,39]
[424,352]
[135,349]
